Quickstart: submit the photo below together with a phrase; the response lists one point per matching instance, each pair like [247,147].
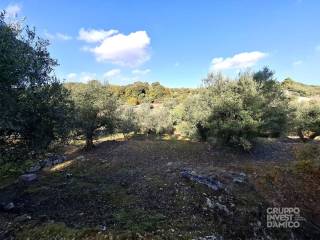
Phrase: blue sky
[176,42]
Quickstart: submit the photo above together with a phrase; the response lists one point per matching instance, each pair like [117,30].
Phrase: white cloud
[238,61]
[296,63]
[87,76]
[112,73]
[57,36]
[81,77]
[71,77]
[63,36]
[125,50]
[93,35]
[13,10]
[140,71]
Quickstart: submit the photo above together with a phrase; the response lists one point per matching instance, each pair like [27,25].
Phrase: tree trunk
[89,142]
[300,134]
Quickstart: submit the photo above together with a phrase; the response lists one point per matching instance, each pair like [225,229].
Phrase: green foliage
[275,104]
[236,113]
[154,119]
[242,109]
[191,116]
[127,120]
[51,231]
[95,108]
[35,108]
[307,119]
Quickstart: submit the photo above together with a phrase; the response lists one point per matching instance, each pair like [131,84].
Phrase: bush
[127,120]
[307,119]
[236,111]
[191,116]
[154,120]
[242,109]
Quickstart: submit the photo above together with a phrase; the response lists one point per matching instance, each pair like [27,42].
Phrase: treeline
[37,111]
[140,92]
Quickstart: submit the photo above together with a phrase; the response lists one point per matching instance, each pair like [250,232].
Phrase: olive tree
[35,108]
[306,120]
[95,107]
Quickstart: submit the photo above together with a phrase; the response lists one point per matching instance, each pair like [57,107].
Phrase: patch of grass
[50,231]
[138,220]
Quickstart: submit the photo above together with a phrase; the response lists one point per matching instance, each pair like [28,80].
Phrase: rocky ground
[147,188]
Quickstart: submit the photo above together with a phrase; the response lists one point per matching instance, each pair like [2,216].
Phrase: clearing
[137,189]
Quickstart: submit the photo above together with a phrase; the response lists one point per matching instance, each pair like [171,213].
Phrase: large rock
[22,218]
[210,182]
[52,160]
[30,177]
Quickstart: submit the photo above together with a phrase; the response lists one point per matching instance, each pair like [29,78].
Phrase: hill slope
[300,89]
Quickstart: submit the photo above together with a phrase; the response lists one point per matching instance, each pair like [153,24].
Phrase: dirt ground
[135,190]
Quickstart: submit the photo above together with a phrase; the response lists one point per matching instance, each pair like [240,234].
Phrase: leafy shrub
[236,111]
[191,116]
[127,120]
[156,120]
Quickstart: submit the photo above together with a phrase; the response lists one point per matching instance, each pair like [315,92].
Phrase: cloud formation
[93,35]
[82,77]
[13,10]
[126,50]
[57,36]
[112,73]
[238,61]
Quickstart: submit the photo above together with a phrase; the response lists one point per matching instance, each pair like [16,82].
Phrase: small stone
[238,180]
[28,177]
[22,218]
[103,228]
[169,164]
[80,158]
[209,203]
[69,175]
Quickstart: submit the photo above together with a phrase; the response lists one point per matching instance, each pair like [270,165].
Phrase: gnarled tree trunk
[89,141]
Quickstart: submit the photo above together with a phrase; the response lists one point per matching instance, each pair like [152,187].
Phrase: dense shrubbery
[234,112]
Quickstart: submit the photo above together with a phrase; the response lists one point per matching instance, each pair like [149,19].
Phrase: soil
[134,190]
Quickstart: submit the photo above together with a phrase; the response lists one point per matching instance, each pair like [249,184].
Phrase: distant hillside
[141,92]
[300,89]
